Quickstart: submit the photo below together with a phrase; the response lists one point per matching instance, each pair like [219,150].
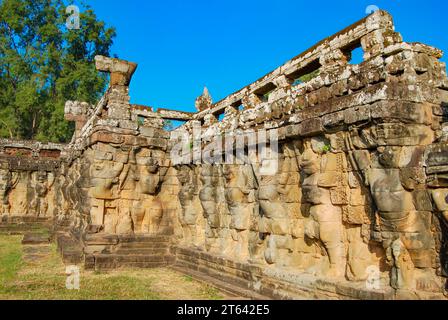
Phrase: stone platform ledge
[112,239]
[278,283]
[69,248]
[283,283]
[13,225]
[12,219]
[227,288]
[286,283]
[35,239]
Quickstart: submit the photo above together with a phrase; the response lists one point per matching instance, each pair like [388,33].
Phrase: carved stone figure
[139,210]
[191,209]
[43,181]
[399,218]
[208,197]
[440,198]
[240,197]
[124,219]
[77,202]
[104,176]
[403,269]
[8,180]
[325,221]
[276,221]
[18,196]
[147,219]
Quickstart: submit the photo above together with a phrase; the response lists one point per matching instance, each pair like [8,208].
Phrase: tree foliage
[43,64]
[307,77]
[168,125]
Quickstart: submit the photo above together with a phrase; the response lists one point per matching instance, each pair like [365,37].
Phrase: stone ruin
[358,208]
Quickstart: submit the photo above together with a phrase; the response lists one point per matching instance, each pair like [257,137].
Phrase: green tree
[43,64]
[307,77]
[168,125]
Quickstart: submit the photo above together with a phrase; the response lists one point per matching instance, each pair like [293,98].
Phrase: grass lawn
[45,278]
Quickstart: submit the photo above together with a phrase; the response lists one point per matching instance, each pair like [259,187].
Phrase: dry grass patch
[44,279]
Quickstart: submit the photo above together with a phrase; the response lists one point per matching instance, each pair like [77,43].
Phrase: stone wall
[29,174]
[357,206]
[118,160]
[359,193]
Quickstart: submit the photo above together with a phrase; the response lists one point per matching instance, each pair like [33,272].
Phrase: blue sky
[181,46]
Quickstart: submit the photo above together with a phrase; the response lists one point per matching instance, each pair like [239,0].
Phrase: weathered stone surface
[120,71]
[204,101]
[349,192]
[35,239]
[310,127]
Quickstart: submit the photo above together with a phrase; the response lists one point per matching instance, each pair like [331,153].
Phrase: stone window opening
[305,74]
[219,115]
[264,92]
[354,54]
[238,106]
[171,125]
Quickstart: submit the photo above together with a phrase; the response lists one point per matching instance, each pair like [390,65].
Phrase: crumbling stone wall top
[329,52]
[175,115]
[29,148]
[163,113]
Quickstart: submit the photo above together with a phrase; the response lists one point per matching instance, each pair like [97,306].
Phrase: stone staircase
[132,252]
[69,248]
[22,225]
[228,276]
